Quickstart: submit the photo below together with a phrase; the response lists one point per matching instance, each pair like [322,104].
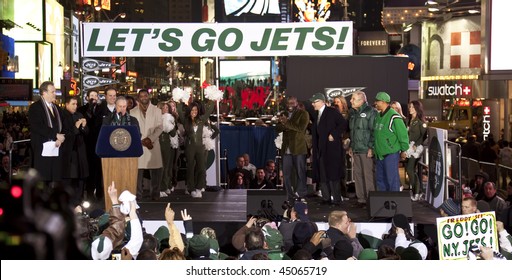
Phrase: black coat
[49,168]
[330,152]
[94,117]
[74,154]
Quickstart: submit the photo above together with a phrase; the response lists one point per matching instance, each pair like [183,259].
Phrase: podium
[119,148]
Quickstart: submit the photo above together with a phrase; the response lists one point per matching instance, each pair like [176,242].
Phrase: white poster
[75,39]
[456,234]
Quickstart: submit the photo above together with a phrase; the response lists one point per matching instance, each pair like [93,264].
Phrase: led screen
[248,71]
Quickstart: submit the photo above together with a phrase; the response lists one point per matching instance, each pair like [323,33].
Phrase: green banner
[216,39]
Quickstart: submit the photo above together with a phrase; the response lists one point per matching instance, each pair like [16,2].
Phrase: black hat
[198,246]
[483,175]
[400,220]
[343,249]
[409,253]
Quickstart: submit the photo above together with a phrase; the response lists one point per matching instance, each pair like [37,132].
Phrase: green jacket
[390,134]
[294,133]
[417,131]
[361,129]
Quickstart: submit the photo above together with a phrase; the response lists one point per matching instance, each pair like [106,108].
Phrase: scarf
[48,118]
[123,120]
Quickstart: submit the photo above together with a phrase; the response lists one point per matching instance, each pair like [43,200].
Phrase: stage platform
[232,206]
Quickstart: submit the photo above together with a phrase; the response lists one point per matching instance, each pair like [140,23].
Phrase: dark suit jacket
[49,168]
[110,119]
[94,117]
[330,152]
[294,133]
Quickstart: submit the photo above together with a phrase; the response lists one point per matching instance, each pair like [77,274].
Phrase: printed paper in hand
[50,150]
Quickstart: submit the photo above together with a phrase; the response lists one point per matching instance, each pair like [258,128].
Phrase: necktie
[319,115]
[51,110]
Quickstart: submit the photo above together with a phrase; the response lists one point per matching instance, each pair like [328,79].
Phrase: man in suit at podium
[121,116]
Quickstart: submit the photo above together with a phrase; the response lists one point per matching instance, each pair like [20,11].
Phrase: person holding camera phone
[92,113]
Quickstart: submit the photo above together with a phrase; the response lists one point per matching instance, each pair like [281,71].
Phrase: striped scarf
[47,112]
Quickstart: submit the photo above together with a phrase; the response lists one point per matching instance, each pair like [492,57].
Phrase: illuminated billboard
[28,19]
[500,58]
[55,35]
[316,10]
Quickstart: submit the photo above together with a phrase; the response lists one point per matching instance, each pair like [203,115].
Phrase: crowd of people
[375,140]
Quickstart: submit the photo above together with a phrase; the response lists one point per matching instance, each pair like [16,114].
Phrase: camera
[324,235]
[474,252]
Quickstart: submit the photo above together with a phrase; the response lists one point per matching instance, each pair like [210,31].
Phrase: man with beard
[293,124]
[150,122]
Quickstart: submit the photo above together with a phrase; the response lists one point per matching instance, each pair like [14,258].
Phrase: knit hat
[383,96]
[409,253]
[301,209]
[302,232]
[450,207]
[101,248]
[343,249]
[162,234]
[214,249]
[273,237]
[367,254]
[208,232]
[466,192]
[400,220]
[102,222]
[198,246]
[317,96]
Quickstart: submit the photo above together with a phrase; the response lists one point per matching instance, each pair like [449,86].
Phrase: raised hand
[169,214]
[185,216]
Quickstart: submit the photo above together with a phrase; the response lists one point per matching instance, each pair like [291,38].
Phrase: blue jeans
[297,163]
[386,173]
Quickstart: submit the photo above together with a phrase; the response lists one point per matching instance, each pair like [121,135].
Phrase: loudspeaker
[388,204]
[256,199]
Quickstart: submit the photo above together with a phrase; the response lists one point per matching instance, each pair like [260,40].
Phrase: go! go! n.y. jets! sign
[216,39]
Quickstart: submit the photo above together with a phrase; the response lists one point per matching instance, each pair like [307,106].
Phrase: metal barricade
[279,161]
[504,172]
[491,168]
[455,170]
[10,155]
[225,178]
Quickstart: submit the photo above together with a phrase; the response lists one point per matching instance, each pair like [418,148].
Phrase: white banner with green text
[103,39]
[456,234]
